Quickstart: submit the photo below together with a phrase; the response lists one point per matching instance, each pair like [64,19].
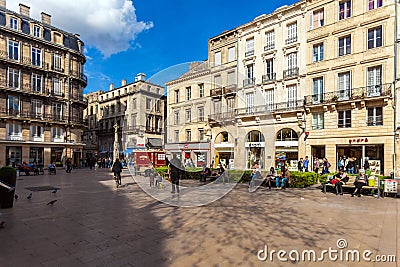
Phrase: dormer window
[57,38]
[13,23]
[37,31]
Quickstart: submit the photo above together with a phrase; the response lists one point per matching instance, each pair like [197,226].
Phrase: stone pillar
[47,156]
[115,149]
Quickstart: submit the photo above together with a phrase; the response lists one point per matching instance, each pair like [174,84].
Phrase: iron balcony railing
[249,53]
[216,92]
[349,94]
[230,89]
[292,72]
[249,82]
[270,108]
[375,120]
[291,40]
[269,77]
[222,116]
[269,47]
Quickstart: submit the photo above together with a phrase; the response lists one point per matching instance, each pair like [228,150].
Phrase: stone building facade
[41,90]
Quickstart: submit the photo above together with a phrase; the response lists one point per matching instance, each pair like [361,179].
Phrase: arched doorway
[224,149]
[287,148]
[255,149]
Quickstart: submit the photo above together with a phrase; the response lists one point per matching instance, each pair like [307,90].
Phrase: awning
[154,143]
[128,151]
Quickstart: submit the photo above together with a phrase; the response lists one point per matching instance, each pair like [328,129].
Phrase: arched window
[287,135]
[255,136]
[223,137]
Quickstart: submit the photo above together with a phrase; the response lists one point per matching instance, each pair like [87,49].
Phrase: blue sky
[123,37]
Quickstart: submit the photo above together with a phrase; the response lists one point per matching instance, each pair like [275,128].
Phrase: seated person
[270,176]
[35,168]
[52,167]
[25,168]
[285,177]
[360,181]
[338,180]
[206,172]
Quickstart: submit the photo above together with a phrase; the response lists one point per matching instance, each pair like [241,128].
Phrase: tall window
[344,85]
[317,121]
[176,117]
[148,103]
[36,131]
[291,96]
[231,78]
[57,111]
[317,18]
[217,58]
[14,130]
[372,4]
[269,70]
[249,75]
[217,81]
[344,119]
[188,113]
[344,45]
[231,54]
[217,106]
[188,135]
[201,90]
[318,52]
[375,37]
[318,90]
[36,83]
[269,100]
[250,103]
[230,104]
[37,31]
[37,108]
[176,136]
[133,121]
[13,105]
[36,57]
[344,9]
[291,33]
[13,78]
[292,60]
[57,87]
[374,81]
[249,47]
[57,132]
[134,103]
[176,96]
[57,62]
[374,116]
[13,23]
[188,93]
[201,114]
[201,134]
[269,41]
[13,50]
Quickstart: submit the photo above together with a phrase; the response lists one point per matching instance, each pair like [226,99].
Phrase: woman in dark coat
[117,169]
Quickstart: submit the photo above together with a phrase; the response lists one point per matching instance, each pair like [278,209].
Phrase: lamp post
[115,151]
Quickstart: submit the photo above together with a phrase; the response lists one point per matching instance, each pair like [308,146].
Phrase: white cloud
[109,25]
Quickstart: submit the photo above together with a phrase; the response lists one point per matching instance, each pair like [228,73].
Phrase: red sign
[186,146]
[358,140]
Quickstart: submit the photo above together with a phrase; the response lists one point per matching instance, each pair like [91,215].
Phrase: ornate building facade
[41,90]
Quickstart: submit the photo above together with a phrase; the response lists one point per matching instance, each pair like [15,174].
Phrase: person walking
[117,169]
[306,163]
[175,171]
[316,165]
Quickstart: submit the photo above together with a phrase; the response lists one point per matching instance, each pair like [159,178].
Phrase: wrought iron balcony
[249,53]
[249,82]
[375,120]
[269,77]
[216,92]
[349,94]
[269,47]
[293,72]
[222,116]
[291,40]
[271,108]
[230,89]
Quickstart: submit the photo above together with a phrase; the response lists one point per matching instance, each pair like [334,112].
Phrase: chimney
[3,3]
[123,82]
[46,18]
[111,86]
[24,10]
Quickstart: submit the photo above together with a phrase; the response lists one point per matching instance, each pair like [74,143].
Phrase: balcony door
[318,90]
[344,86]
[374,81]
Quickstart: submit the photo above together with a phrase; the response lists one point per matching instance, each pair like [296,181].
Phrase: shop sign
[255,144]
[358,140]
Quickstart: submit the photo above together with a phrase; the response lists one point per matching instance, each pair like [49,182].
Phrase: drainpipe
[394,85]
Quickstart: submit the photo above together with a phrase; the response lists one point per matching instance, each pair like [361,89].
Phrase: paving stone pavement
[93,223]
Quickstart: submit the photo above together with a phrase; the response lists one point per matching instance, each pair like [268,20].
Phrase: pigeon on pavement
[52,202]
[29,196]
[54,191]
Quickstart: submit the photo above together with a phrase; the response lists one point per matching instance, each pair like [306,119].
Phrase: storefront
[224,150]
[255,149]
[56,156]
[13,154]
[362,152]
[36,154]
[287,149]
[197,154]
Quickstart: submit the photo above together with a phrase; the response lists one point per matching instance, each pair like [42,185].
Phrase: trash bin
[8,179]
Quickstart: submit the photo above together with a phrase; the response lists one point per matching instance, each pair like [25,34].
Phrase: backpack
[328,165]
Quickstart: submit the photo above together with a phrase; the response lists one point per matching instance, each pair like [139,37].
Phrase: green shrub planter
[9,176]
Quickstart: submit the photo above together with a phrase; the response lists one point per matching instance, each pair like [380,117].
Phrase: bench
[30,171]
[350,184]
[213,176]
